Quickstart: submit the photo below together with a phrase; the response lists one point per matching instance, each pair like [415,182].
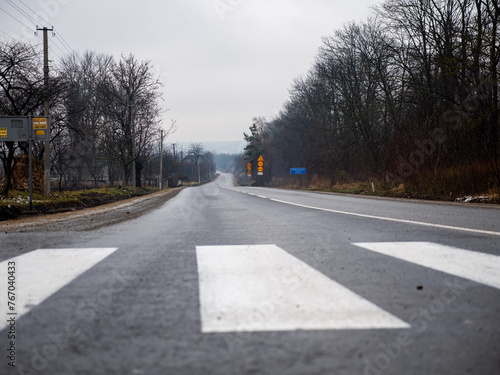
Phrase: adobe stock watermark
[454,119]
[48,9]
[222,7]
[262,312]
[417,158]
[419,321]
[86,313]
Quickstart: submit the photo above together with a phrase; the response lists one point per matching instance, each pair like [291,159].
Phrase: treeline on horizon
[408,97]
[106,116]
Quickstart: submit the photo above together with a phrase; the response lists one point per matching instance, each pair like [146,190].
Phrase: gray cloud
[218,74]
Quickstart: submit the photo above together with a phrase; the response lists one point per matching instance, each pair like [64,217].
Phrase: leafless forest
[408,97]
[105,114]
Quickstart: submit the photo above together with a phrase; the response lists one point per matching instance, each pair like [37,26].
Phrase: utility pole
[46,144]
[198,164]
[132,131]
[161,160]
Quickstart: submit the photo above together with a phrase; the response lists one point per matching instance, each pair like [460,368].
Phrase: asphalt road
[148,297]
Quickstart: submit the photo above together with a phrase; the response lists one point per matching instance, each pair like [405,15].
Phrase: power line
[59,37]
[37,45]
[6,35]
[22,2]
[65,44]
[55,53]
[59,48]
[22,11]
[36,19]
[51,45]
[22,23]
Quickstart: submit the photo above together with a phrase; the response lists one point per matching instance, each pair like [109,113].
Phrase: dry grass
[474,179]
[446,184]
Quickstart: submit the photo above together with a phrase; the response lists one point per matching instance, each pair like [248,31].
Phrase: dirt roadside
[94,217]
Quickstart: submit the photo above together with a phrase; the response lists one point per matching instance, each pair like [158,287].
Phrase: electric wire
[55,53]
[63,42]
[22,23]
[60,43]
[22,11]
[59,48]
[22,2]
[4,35]
[59,39]
[58,35]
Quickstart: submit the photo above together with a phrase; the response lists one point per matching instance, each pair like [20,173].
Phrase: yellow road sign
[260,158]
[39,122]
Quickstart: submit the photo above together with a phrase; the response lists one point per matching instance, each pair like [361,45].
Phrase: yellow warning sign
[249,166]
[40,132]
[3,132]
[260,158]
[39,122]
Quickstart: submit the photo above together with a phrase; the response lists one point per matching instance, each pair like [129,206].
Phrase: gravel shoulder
[92,218]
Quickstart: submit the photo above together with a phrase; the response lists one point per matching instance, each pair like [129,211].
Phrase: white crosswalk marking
[479,267]
[264,288]
[41,273]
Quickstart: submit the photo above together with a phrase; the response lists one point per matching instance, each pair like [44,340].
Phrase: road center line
[391,219]
[479,267]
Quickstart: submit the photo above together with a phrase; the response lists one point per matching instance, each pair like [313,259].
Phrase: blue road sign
[297,171]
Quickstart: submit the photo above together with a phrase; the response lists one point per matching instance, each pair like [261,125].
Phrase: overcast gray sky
[222,61]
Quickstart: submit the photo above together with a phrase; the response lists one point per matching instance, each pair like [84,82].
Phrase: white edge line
[390,219]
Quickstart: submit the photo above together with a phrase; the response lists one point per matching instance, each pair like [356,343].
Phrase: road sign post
[297,171]
[260,166]
[14,129]
[22,129]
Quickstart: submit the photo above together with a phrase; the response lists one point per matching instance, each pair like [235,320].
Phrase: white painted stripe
[263,288]
[392,219]
[472,265]
[261,196]
[41,273]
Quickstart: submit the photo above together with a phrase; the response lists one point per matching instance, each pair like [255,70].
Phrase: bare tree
[415,86]
[209,165]
[22,93]
[62,156]
[84,77]
[132,112]
[195,153]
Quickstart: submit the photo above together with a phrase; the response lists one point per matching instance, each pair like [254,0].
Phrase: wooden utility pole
[132,132]
[46,156]
[161,160]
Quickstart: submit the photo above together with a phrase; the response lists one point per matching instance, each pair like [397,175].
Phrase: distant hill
[224,147]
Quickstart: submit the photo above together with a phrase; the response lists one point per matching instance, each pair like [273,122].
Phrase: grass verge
[16,204]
